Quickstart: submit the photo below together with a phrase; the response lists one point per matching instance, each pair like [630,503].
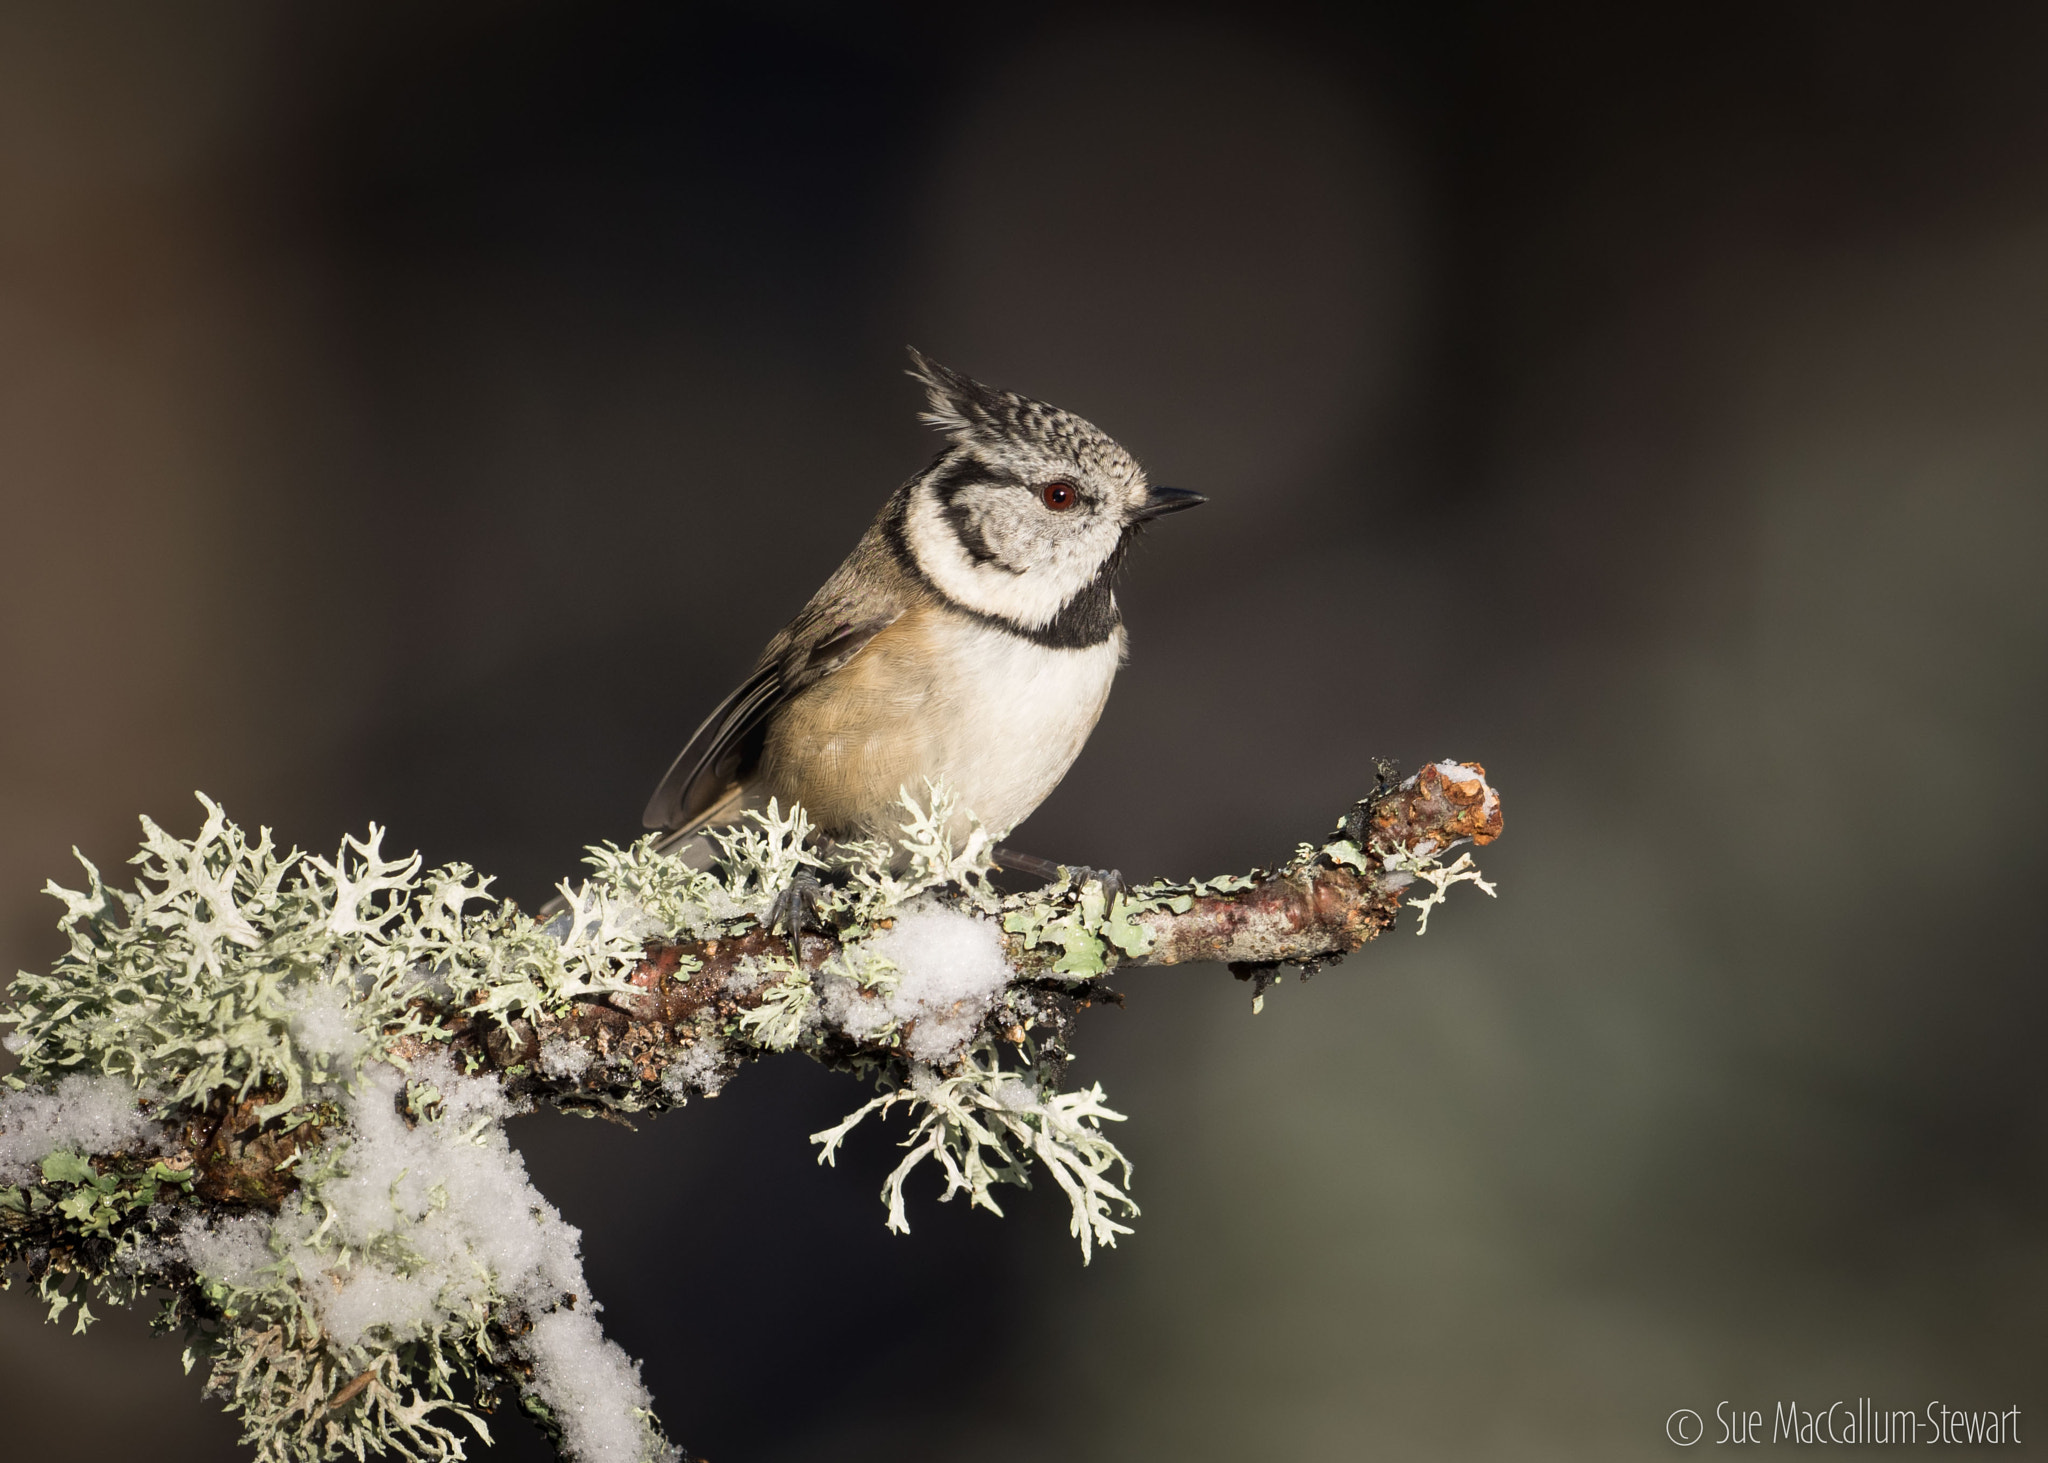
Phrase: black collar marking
[1088,619]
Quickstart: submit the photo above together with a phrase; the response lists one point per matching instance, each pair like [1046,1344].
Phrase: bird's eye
[1059,496]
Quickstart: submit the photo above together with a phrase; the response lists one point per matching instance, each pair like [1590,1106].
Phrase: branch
[275,1085]
[1323,904]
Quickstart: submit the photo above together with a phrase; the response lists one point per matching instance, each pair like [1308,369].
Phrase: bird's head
[1028,508]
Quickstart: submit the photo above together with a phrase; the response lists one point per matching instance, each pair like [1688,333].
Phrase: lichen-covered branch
[275,1085]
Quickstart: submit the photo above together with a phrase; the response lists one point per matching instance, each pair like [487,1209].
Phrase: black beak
[1163,501]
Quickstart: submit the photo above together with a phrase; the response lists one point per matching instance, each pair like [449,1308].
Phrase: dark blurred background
[424,413]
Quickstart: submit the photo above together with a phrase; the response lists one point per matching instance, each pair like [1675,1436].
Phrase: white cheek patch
[1029,599]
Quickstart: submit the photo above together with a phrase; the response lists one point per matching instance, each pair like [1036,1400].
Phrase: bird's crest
[963,408]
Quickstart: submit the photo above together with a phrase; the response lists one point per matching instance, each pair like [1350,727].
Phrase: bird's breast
[939,695]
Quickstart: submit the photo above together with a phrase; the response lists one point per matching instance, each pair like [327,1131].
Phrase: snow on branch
[275,1086]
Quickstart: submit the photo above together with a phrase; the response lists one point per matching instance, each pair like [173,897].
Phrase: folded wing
[726,749]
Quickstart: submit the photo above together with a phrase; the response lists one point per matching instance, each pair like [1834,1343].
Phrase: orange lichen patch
[1443,802]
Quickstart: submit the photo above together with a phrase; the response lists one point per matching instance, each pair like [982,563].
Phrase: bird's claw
[1048,872]
[1111,880]
[795,909]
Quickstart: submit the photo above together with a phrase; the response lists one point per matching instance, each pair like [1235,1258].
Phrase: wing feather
[724,751]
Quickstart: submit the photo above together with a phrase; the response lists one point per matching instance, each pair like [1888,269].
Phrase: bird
[971,636]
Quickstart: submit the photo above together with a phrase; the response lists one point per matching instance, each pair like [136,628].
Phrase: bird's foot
[1111,880]
[795,910]
[1046,871]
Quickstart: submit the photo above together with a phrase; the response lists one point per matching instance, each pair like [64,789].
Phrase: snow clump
[412,1228]
[236,1251]
[87,1114]
[563,1059]
[323,1020]
[950,969]
[592,1387]
[697,1071]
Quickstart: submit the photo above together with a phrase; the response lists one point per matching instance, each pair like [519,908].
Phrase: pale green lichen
[1440,876]
[786,998]
[199,982]
[302,984]
[317,991]
[1095,931]
[94,1204]
[981,1123]
[1077,930]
